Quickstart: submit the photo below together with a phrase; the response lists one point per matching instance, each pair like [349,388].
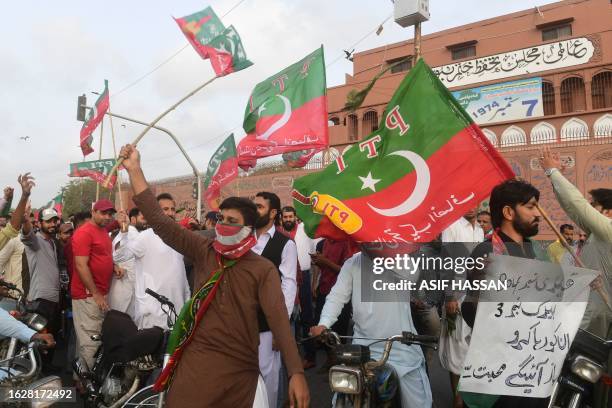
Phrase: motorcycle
[126,358]
[20,366]
[584,367]
[360,382]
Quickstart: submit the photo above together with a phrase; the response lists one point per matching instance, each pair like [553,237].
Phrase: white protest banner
[521,336]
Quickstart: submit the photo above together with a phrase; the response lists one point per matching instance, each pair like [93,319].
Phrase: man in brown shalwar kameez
[219,366]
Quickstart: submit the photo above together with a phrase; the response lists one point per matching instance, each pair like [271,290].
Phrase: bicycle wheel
[146,397]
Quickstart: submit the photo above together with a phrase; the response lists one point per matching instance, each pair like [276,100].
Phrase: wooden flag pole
[602,293]
[124,226]
[100,156]
[150,125]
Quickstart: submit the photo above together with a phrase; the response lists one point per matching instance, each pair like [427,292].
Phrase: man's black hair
[603,197]
[212,216]
[81,216]
[274,203]
[134,212]
[165,196]
[510,193]
[288,208]
[246,207]
[565,227]
[483,212]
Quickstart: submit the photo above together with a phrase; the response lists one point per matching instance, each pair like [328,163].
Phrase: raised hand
[131,157]
[26,182]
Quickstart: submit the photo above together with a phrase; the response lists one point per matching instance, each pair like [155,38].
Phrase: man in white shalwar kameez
[157,267]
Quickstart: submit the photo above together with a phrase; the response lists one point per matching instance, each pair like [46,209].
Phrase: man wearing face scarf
[214,344]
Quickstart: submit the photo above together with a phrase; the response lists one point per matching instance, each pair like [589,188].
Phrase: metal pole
[417,42]
[100,157]
[169,133]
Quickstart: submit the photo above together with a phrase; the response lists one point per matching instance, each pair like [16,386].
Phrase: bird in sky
[26,138]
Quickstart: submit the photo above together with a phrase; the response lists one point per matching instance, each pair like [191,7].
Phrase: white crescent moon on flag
[420,190]
[279,123]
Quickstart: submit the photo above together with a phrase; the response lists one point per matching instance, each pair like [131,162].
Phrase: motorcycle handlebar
[8,285]
[418,338]
[160,298]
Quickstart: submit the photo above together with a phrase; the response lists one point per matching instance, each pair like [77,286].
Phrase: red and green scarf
[189,318]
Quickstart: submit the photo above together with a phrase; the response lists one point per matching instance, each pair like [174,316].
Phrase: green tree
[79,194]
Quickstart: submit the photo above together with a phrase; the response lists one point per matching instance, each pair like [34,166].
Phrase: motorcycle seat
[123,342]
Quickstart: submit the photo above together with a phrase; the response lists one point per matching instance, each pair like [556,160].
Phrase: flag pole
[124,226]
[100,157]
[602,293]
[157,119]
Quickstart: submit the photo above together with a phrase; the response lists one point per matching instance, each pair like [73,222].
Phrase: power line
[170,58]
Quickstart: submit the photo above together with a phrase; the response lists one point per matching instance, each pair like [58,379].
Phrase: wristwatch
[549,172]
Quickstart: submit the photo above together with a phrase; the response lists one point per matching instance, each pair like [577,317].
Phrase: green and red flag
[56,203]
[96,170]
[425,167]
[287,112]
[95,116]
[222,169]
[207,34]
[299,158]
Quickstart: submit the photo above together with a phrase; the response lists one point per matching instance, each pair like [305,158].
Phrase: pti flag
[95,116]
[56,204]
[96,170]
[222,169]
[423,169]
[207,34]
[287,112]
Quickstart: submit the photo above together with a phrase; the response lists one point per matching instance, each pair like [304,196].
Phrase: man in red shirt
[93,258]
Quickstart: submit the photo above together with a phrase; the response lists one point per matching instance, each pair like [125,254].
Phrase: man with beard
[41,250]
[93,259]
[157,267]
[556,250]
[121,294]
[215,361]
[515,219]
[281,250]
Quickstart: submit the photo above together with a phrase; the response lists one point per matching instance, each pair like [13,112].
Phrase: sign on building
[555,55]
[501,102]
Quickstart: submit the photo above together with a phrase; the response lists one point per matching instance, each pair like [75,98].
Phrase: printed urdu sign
[502,102]
[561,54]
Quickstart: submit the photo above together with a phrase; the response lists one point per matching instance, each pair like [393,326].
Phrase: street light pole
[197,174]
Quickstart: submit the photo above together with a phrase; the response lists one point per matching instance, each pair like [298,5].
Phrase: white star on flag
[369,182]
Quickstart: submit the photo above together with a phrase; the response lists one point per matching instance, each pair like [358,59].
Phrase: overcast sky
[53,51]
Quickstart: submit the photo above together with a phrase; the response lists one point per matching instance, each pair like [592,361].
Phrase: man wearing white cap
[41,253]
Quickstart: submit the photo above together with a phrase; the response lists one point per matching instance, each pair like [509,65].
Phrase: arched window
[603,126]
[491,136]
[574,129]
[548,98]
[351,123]
[601,90]
[370,122]
[333,121]
[543,132]
[573,96]
[513,136]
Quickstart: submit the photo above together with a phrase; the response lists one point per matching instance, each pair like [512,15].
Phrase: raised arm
[27,182]
[180,239]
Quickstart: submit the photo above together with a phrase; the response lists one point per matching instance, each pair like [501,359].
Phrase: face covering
[233,240]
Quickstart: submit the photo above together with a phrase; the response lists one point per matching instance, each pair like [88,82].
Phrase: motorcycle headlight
[36,322]
[46,386]
[587,369]
[345,380]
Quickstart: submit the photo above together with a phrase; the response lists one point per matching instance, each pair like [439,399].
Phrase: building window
[553,33]
[548,98]
[370,122]
[351,122]
[601,90]
[463,52]
[573,96]
[400,64]
[334,121]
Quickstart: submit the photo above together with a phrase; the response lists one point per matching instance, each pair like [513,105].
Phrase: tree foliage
[79,195]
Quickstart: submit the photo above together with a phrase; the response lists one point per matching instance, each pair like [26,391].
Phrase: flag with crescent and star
[287,112]
[209,37]
[97,170]
[56,203]
[222,169]
[424,168]
[95,116]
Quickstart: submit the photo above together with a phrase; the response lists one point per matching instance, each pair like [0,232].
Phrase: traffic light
[81,110]
[194,192]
